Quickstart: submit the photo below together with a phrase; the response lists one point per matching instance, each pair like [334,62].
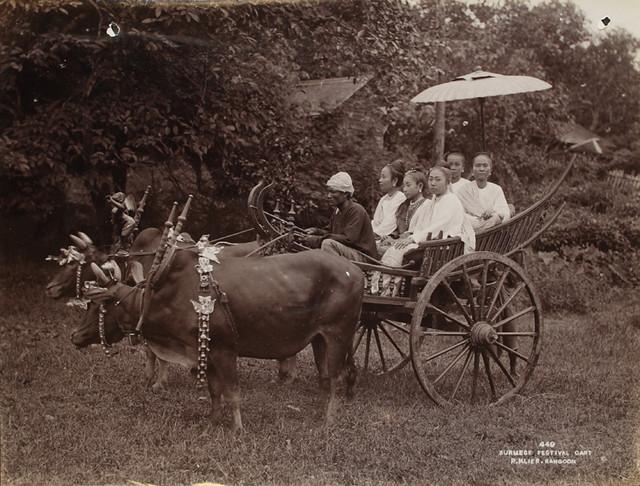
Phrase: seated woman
[483,201]
[414,187]
[384,218]
[443,213]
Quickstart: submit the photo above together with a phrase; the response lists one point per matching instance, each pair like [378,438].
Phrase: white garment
[444,213]
[384,219]
[476,201]
[454,186]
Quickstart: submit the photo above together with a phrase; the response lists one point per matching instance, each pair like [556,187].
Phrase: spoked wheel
[475,331]
[381,345]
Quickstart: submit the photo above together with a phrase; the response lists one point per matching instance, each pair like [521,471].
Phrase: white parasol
[480,84]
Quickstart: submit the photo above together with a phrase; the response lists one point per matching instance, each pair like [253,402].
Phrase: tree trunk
[438,134]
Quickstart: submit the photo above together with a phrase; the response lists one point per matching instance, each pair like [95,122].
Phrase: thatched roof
[580,138]
[325,95]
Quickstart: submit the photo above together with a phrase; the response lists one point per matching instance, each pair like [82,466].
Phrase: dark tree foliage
[200,96]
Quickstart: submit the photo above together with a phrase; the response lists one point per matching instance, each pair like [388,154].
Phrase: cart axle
[483,334]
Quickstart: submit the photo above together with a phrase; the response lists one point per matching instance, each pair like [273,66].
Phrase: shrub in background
[581,279]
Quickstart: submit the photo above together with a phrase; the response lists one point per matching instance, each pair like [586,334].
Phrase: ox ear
[137,272]
[102,278]
[97,295]
[79,242]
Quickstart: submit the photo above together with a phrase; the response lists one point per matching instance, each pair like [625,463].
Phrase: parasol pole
[484,145]
[439,123]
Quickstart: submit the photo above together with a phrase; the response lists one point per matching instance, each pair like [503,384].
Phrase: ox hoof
[349,394]
[324,384]
[215,416]
[158,387]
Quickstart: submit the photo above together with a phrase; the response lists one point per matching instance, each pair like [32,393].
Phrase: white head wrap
[341,182]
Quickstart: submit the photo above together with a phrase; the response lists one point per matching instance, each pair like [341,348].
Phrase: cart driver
[349,234]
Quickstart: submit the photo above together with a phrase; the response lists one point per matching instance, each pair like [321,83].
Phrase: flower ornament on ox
[67,255]
[203,242]
[82,301]
[205,305]
[211,253]
[204,266]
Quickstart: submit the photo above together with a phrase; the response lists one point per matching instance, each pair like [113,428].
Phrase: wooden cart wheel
[381,344]
[482,340]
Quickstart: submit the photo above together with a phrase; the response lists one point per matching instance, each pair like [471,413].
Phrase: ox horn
[137,272]
[102,278]
[85,237]
[79,242]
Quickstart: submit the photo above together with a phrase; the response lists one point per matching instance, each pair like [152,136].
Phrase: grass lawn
[80,417]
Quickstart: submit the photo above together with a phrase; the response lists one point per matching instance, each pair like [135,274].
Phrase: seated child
[413,187]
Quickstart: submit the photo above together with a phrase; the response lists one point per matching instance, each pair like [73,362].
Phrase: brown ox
[66,280]
[279,305]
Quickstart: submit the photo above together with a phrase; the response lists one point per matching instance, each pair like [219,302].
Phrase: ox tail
[351,373]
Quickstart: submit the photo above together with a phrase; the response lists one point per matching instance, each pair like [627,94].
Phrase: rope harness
[79,300]
[209,293]
[106,347]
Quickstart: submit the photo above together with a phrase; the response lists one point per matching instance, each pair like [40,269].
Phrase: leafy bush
[582,229]
[200,96]
[595,195]
[580,279]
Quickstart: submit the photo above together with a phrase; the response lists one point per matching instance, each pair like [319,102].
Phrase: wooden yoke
[171,245]
[143,202]
[181,219]
[148,287]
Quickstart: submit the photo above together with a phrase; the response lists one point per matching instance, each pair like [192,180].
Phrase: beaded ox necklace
[205,305]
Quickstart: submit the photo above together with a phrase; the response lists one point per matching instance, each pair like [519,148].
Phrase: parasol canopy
[481,85]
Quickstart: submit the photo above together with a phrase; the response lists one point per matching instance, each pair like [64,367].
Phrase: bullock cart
[470,324]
